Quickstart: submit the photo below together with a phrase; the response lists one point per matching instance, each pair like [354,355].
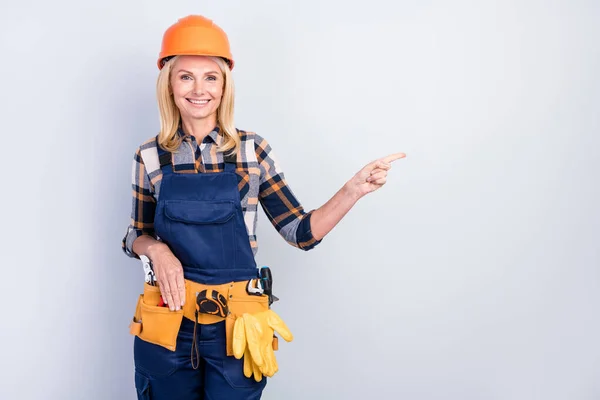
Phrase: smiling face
[197,84]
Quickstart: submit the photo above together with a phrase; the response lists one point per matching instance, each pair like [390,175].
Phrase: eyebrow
[191,73]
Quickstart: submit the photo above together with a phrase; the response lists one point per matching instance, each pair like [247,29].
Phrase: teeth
[198,101]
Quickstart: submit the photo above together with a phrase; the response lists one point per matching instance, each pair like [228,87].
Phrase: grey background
[473,274]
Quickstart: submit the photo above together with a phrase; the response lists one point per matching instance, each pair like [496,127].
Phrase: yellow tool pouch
[160,326]
[238,303]
[153,323]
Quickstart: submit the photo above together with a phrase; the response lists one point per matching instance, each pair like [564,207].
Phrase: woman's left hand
[372,176]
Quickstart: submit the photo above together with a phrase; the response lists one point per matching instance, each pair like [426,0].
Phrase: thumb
[280,327]
[239,338]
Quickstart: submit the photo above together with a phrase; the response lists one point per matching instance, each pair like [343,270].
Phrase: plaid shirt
[259,180]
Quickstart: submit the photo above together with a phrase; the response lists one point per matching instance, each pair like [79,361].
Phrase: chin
[196,116]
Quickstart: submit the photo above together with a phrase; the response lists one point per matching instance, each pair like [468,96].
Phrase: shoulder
[259,147]
[247,136]
[148,155]
[253,140]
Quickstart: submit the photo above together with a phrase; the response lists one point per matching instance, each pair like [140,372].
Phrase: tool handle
[267,279]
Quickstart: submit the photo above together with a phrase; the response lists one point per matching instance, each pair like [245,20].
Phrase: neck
[198,128]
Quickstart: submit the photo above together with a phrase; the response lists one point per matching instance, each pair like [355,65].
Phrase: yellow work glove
[250,367]
[239,347]
[253,334]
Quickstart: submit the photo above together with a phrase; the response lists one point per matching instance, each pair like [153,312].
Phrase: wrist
[351,192]
[155,249]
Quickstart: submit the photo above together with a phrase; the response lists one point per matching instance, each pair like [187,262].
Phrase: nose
[198,87]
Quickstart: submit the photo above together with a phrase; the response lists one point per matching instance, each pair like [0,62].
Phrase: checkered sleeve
[279,203]
[143,206]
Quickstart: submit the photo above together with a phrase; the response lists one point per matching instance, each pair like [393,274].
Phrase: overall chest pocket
[202,233]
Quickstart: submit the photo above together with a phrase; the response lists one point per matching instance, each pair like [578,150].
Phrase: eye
[211,78]
[185,77]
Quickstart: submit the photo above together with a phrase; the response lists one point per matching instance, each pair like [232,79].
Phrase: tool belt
[157,324]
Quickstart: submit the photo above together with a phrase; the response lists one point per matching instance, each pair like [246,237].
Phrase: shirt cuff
[127,243]
[305,239]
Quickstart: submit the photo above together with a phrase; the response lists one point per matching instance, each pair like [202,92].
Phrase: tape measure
[212,302]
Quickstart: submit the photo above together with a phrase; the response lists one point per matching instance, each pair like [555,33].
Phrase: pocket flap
[199,212]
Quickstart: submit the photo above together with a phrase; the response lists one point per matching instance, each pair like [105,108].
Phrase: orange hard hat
[194,35]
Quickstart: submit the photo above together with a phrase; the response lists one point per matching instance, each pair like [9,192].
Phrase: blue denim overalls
[199,216]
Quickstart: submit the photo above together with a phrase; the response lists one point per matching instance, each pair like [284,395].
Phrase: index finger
[393,157]
[166,293]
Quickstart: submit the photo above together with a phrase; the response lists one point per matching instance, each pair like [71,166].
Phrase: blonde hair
[170,118]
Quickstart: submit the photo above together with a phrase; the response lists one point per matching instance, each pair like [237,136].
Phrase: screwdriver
[266,278]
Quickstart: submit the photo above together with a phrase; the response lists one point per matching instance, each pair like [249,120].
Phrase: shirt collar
[215,135]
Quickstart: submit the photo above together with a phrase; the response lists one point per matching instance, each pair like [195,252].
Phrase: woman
[204,327]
